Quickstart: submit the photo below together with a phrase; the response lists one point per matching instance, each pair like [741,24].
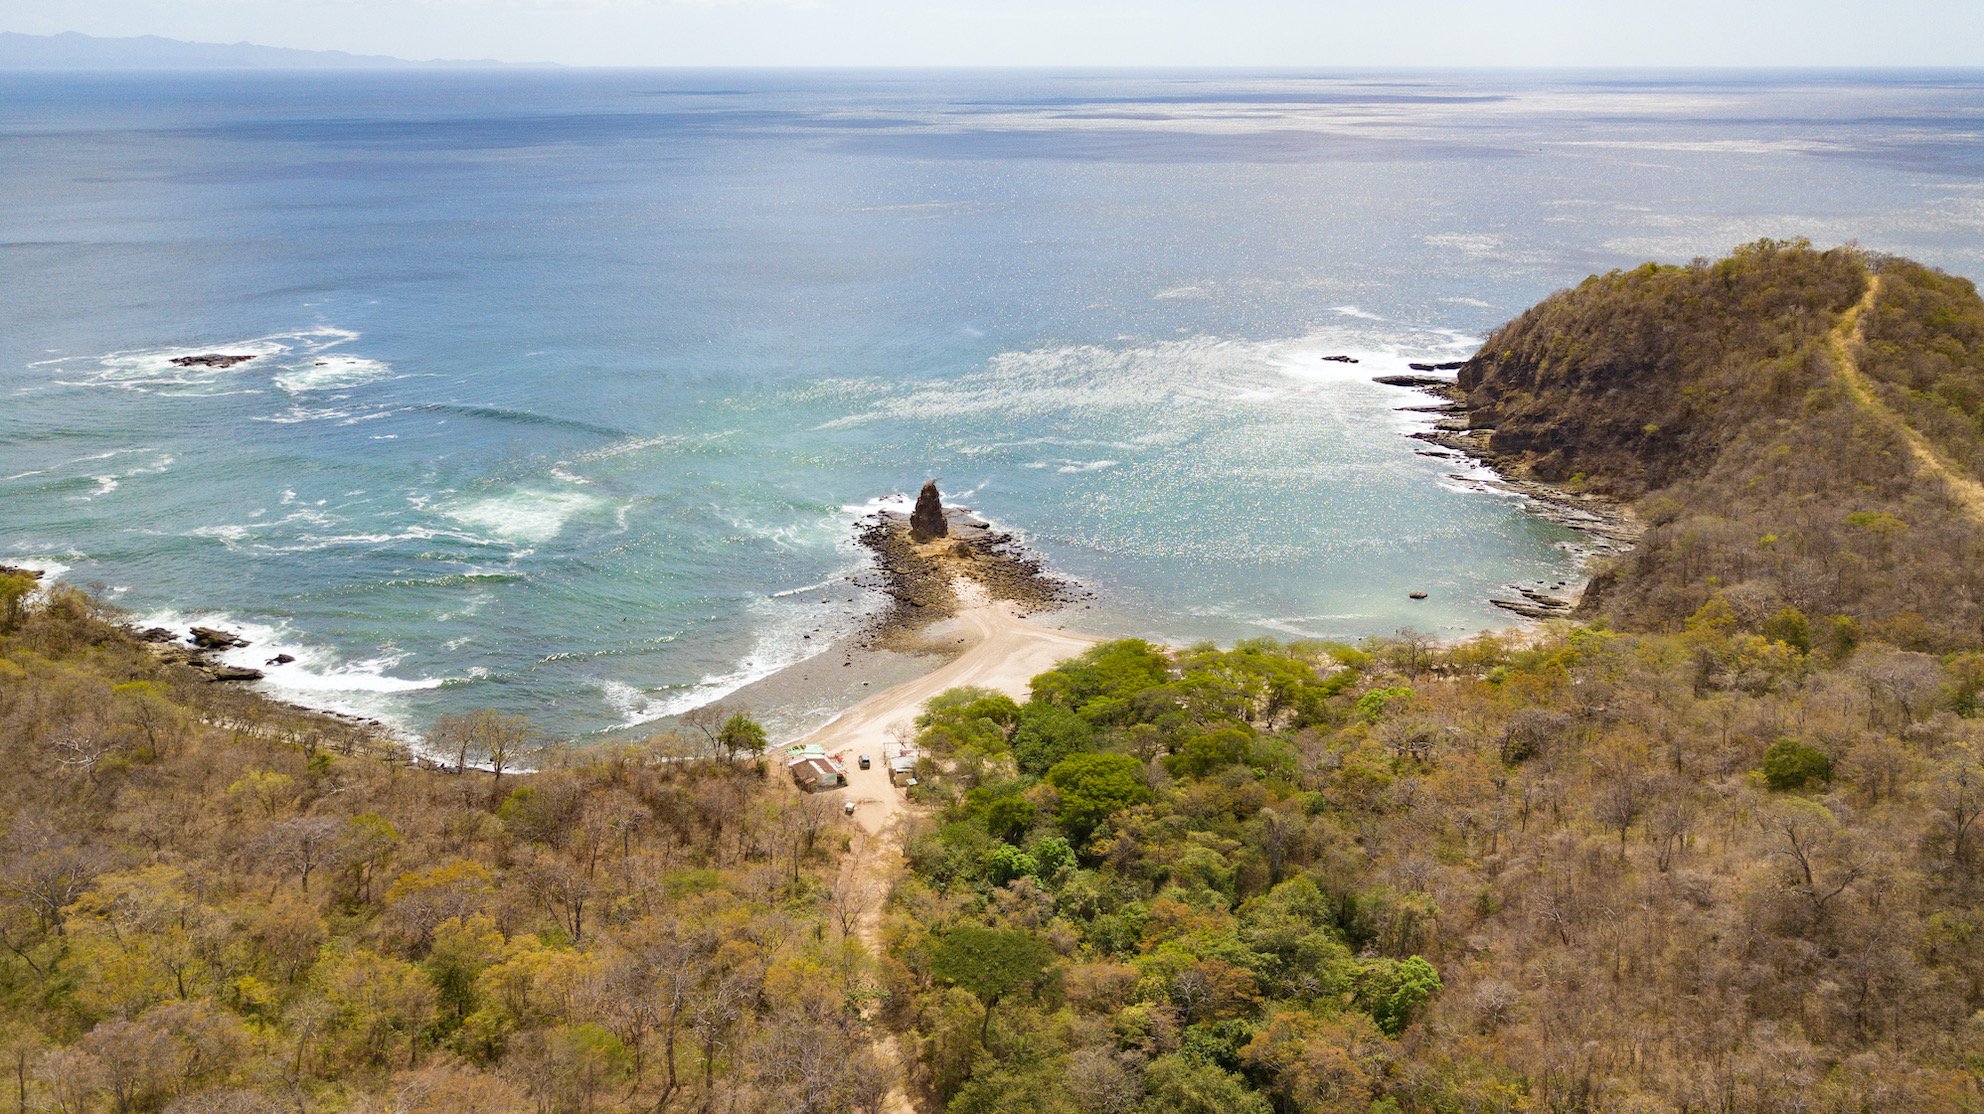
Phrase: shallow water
[570,386]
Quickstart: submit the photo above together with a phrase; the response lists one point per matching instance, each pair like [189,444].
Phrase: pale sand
[1003,653]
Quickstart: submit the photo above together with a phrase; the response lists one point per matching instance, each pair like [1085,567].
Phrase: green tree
[1099,683]
[1376,704]
[1047,734]
[1791,765]
[1790,627]
[992,963]
[1211,752]
[1395,991]
[1094,785]
[1006,863]
[1177,1085]
[15,588]
[1009,817]
[741,736]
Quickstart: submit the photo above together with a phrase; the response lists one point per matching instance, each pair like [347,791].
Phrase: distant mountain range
[72,50]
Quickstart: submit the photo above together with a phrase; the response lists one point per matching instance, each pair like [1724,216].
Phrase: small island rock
[927,520]
[219,360]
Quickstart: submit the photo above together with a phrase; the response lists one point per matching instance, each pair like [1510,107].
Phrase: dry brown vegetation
[1654,873]
[1709,395]
[212,903]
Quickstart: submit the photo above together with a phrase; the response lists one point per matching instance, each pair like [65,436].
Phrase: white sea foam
[295,362]
[50,568]
[1474,245]
[529,515]
[296,415]
[1072,467]
[318,677]
[331,372]
[780,625]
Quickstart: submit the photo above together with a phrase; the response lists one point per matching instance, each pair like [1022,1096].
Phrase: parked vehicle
[864,761]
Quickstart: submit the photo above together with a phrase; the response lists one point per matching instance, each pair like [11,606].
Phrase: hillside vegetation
[1715,397]
[210,903]
[1658,873]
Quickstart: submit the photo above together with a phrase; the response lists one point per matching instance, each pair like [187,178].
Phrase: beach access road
[1004,652]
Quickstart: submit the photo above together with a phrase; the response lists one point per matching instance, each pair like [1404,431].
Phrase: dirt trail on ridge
[1966,492]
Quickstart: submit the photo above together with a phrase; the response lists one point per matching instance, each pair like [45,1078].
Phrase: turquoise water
[570,386]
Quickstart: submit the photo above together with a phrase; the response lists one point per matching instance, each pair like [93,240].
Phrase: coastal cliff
[1800,431]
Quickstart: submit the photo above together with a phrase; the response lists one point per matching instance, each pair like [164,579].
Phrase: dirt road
[1966,492]
[1005,652]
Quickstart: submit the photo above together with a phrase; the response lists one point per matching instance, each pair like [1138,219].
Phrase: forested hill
[1802,430]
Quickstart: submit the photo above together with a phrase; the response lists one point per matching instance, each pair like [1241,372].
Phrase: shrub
[1790,765]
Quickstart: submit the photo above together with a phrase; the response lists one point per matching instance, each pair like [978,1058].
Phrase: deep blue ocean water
[571,385]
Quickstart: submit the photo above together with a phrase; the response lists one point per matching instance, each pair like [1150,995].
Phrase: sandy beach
[1002,652]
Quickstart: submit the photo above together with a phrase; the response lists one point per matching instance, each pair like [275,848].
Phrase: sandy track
[1004,653]
[1966,492]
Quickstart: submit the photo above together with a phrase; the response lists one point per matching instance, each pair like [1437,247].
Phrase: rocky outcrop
[1451,365]
[1536,605]
[920,580]
[1460,434]
[218,360]
[926,521]
[220,672]
[207,638]
[1339,359]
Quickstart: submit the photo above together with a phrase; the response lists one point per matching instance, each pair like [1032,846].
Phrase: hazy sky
[1068,32]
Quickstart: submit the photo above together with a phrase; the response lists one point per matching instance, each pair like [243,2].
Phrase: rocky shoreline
[917,565]
[1606,528]
[198,650]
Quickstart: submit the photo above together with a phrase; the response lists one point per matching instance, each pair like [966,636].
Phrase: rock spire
[927,520]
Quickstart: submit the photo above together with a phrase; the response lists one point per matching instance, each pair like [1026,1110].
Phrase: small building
[902,770]
[814,772]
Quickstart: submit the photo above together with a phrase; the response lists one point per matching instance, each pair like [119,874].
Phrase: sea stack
[927,520]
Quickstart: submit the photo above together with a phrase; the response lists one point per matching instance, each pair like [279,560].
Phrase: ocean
[569,386]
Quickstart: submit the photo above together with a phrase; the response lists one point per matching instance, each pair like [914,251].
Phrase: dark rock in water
[1340,359]
[1412,380]
[1536,605]
[157,634]
[207,638]
[281,659]
[1454,365]
[233,673]
[211,359]
[1416,595]
[16,570]
[927,520]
